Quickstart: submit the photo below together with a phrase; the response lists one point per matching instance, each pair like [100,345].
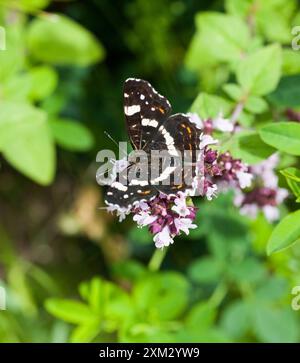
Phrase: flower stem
[237,111]
[157,259]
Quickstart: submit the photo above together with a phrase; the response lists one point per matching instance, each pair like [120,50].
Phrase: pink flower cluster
[166,217]
[265,194]
[221,171]
[256,187]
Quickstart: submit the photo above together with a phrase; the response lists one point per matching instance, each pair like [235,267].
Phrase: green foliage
[292,176]
[287,93]
[210,106]
[205,270]
[71,135]
[284,136]
[259,73]
[285,233]
[249,146]
[59,40]
[27,132]
[217,284]
[26,142]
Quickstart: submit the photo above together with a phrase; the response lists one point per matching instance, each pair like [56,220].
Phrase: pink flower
[222,124]
[211,192]
[120,211]
[261,198]
[166,216]
[245,179]
[206,140]
[163,238]
[180,206]
[144,219]
[184,224]
[208,126]
[265,194]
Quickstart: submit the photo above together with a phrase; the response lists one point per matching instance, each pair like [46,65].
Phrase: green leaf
[95,294]
[207,106]
[130,270]
[201,317]
[259,72]
[71,134]
[161,297]
[43,81]
[236,319]
[146,333]
[291,173]
[234,91]
[256,104]
[290,62]
[29,5]
[295,188]
[85,333]
[16,88]
[274,325]
[269,18]
[71,311]
[286,233]
[57,39]
[284,136]
[247,271]
[205,270]
[194,59]
[287,93]
[26,142]
[12,59]
[248,146]
[292,176]
[274,26]
[251,148]
[224,36]
[273,289]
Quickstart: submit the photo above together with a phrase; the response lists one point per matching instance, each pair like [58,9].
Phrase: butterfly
[151,126]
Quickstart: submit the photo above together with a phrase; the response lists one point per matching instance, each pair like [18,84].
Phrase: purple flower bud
[210,156]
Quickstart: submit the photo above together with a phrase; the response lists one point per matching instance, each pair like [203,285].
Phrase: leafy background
[71,271]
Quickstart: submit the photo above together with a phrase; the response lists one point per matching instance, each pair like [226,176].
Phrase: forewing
[145,110]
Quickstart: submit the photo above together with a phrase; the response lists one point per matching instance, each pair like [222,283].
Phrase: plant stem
[237,111]
[157,259]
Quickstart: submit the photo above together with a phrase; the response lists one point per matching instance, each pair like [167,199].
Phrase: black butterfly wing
[124,191]
[177,134]
[145,110]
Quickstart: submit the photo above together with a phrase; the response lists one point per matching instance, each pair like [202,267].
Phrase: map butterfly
[151,126]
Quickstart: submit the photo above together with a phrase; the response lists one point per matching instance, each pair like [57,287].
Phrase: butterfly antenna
[115,142]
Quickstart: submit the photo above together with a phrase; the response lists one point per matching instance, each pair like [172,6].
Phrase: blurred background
[71,271]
